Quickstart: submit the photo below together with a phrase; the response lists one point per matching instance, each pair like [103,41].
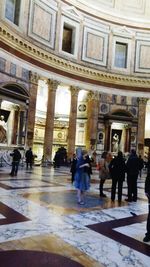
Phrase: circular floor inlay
[27,258]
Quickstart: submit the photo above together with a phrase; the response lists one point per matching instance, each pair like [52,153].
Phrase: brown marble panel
[11,216]
[108,229]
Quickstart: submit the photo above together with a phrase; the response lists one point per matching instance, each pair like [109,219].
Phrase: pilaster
[49,127]
[92,114]
[34,77]
[141,125]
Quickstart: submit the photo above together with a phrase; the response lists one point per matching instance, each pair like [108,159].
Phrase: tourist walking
[16,156]
[117,169]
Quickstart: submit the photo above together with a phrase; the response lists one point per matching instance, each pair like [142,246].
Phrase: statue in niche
[115,142]
[3,130]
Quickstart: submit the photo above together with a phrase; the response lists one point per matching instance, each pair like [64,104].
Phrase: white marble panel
[142,57]
[95,46]
[42,22]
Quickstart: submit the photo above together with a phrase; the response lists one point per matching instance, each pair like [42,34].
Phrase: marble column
[141,126]
[127,140]
[0,103]
[72,121]
[107,145]
[15,125]
[21,126]
[49,126]
[92,120]
[32,108]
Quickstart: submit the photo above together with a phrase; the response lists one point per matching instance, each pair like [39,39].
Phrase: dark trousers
[14,170]
[29,164]
[72,177]
[102,181]
[132,187]
[148,220]
[113,189]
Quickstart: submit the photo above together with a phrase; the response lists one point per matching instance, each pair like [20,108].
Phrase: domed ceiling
[136,11]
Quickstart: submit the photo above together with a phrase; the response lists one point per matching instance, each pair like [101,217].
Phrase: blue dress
[82,180]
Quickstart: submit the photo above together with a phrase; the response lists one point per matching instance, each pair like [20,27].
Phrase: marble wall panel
[42,23]
[95,45]
[134,6]
[142,63]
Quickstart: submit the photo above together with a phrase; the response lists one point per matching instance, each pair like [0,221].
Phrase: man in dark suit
[147,192]
[132,176]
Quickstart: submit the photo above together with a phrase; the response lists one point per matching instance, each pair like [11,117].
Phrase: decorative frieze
[16,42]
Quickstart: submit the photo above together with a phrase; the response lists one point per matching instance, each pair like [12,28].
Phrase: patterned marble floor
[42,225]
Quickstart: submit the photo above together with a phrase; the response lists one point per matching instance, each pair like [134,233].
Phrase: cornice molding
[13,40]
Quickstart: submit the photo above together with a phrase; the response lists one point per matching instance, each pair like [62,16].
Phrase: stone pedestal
[32,108]
[92,120]
[141,126]
[72,121]
[49,127]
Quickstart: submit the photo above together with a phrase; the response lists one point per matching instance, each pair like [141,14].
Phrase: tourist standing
[132,176]
[104,170]
[73,167]
[117,168]
[147,192]
[29,158]
[82,181]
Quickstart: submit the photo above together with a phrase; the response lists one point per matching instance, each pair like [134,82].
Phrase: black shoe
[128,200]
[146,239]
[102,195]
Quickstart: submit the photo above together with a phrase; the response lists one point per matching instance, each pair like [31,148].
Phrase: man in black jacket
[147,193]
[117,169]
[16,156]
[132,176]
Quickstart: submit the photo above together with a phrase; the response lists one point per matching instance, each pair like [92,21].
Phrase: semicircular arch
[15,91]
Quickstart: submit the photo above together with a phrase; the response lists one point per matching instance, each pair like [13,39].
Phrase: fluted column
[92,119]
[49,126]
[32,107]
[0,102]
[72,121]
[141,125]
[15,125]
[107,146]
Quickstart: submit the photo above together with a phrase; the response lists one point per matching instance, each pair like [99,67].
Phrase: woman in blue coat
[82,181]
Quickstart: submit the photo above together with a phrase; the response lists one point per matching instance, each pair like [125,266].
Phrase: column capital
[34,77]
[52,84]
[74,90]
[142,100]
[93,95]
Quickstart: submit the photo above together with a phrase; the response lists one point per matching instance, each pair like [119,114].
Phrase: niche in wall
[67,41]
